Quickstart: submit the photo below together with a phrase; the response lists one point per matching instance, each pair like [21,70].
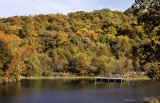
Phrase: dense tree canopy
[101,42]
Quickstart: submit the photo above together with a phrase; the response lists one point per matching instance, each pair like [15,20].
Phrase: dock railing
[115,78]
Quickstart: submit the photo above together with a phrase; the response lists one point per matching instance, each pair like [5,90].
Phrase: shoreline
[58,77]
[138,78]
[82,77]
[5,80]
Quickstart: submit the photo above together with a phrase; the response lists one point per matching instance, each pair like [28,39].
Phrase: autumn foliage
[101,42]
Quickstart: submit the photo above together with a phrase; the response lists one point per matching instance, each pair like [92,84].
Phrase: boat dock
[110,79]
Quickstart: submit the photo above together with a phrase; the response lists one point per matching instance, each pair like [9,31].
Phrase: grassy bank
[4,80]
[138,78]
[63,77]
[83,77]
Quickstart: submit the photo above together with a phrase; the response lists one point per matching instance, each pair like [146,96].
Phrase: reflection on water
[77,91]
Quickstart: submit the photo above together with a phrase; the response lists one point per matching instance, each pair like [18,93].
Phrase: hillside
[101,42]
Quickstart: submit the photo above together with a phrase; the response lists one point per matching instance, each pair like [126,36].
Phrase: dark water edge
[77,91]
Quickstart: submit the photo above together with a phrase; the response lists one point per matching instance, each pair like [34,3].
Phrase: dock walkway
[110,79]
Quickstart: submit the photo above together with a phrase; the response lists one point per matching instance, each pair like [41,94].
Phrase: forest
[100,42]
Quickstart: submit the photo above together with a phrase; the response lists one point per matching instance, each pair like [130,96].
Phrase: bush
[47,73]
[33,72]
[154,71]
[1,72]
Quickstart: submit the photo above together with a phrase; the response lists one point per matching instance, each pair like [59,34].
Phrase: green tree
[154,70]
[80,64]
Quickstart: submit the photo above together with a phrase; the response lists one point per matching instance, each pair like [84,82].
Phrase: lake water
[77,91]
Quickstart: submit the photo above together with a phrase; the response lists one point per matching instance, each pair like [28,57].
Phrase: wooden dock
[110,79]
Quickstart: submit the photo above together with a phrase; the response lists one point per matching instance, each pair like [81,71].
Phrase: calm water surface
[77,91]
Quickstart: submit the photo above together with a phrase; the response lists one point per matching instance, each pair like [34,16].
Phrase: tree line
[81,43]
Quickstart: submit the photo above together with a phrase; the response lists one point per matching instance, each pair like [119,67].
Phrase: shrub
[154,71]
[1,72]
